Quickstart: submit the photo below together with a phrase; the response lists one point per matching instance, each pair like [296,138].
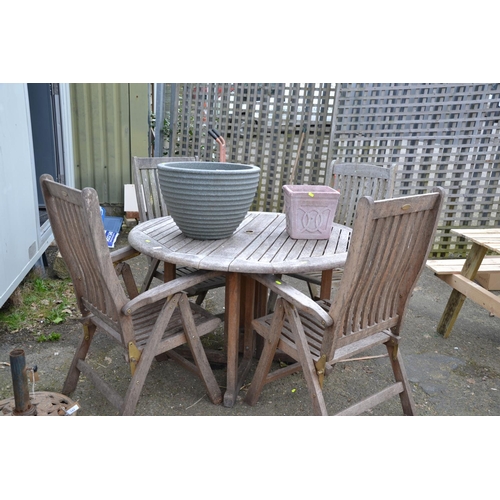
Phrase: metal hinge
[394,341]
[133,357]
[54,89]
[320,369]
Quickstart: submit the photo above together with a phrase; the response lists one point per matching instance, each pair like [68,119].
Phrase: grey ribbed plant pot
[208,200]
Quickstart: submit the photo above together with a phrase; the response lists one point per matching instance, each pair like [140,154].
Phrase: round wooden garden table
[260,245]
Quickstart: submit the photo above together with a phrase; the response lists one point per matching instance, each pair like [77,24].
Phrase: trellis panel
[271,125]
[438,134]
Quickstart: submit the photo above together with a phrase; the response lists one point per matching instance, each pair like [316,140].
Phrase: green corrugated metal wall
[110,125]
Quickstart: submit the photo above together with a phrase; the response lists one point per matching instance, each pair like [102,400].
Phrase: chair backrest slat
[390,243]
[147,187]
[76,223]
[355,180]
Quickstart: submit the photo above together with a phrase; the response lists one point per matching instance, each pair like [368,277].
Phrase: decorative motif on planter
[208,200]
[310,211]
[314,220]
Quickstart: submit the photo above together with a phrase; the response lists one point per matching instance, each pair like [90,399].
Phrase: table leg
[261,309]
[457,299]
[231,333]
[243,296]
[169,272]
[152,267]
[326,284]
[248,314]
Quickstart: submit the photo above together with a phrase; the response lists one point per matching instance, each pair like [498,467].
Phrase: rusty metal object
[23,406]
[47,404]
[39,403]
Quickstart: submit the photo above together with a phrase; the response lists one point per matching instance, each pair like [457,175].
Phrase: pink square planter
[310,211]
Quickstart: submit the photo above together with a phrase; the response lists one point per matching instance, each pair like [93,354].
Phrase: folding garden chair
[145,325]
[390,243]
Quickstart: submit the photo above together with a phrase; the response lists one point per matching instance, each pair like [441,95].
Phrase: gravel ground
[459,376]
[456,376]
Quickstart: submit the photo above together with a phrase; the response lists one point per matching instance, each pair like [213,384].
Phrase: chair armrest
[294,296]
[124,253]
[166,289]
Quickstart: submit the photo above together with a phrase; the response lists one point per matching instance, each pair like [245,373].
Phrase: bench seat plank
[491,263]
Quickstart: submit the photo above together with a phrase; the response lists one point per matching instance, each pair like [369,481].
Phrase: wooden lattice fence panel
[439,135]
[272,125]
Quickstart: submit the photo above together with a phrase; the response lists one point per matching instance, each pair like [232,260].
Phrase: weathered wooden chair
[353,181]
[151,205]
[145,325]
[390,243]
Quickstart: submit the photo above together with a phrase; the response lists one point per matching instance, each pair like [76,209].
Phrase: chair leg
[312,292]
[153,266]
[271,300]
[148,353]
[400,375]
[200,298]
[199,355]
[267,356]
[71,381]
[306,361]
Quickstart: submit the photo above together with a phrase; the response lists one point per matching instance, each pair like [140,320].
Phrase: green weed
[14,320]
[49,338]
[39,285]
[39,301]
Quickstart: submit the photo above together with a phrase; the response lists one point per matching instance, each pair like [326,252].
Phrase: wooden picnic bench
[461,273]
